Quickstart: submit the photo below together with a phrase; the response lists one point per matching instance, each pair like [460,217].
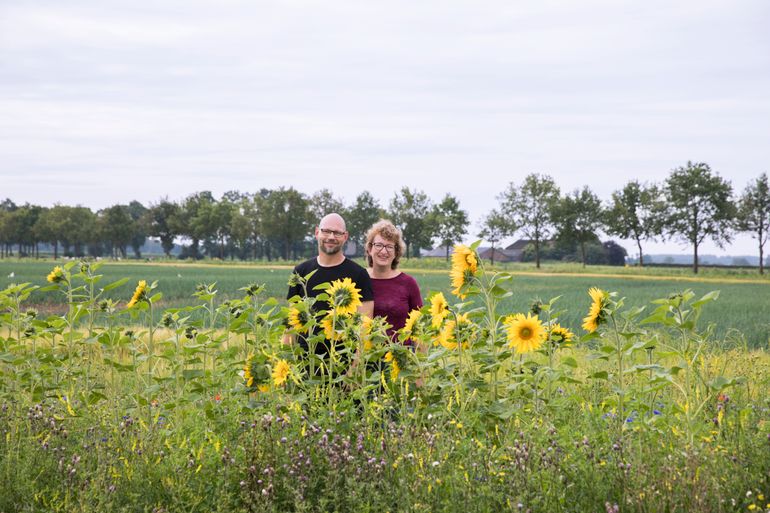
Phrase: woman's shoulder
[407,278]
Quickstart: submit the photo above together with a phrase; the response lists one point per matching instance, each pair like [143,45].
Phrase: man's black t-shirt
[347,269]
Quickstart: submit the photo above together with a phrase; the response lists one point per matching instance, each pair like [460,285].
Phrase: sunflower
[464,267]
[247,375]
[411,323]
[596,313]
[281,372]
[394,368]
[454,331]
[439,309]
[560,335]
[331,331]
[366,332]
[344,297]
[56,275]
[446,337]
[140,294]
[298,320]
[525,334]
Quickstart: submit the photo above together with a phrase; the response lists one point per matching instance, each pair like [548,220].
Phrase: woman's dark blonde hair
[390,233]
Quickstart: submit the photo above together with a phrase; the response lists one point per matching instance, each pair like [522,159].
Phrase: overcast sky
[104,102]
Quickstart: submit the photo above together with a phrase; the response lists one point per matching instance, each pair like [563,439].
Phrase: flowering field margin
[111,404]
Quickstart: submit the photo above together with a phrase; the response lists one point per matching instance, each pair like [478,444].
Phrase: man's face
[331,236]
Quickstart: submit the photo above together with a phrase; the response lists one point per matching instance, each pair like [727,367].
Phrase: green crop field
[740,314]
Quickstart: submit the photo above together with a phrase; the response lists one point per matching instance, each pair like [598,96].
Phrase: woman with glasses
[395,293]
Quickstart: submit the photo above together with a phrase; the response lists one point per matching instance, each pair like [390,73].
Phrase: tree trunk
[447,252]
[583,252]
[492,256]
[761,256]
[641,256]
[537,253]
[55,250]
[695,259]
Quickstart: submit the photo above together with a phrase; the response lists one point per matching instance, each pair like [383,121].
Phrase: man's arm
[367,308]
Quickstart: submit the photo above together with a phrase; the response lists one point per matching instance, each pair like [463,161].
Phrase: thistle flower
[525,333]
[464,268]
[344,297]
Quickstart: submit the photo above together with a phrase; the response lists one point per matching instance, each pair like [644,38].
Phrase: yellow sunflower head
[247,374]
[299,320]
[344,297]
[280,372]
[525,333]
[464,268]
[56,275]
[332,331]
[439,309]
[596,313]
[394,367]
[140,294]
[456,331]
[366,332]
[560,336]
[394,370]
[411,324]
[446,337]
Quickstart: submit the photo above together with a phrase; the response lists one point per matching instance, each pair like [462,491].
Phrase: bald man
[331,264]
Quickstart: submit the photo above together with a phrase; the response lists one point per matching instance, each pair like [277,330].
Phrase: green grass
[739,312]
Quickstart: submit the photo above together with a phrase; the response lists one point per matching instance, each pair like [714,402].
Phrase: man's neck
[325,260]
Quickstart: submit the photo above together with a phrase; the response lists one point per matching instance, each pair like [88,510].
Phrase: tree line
[692,205]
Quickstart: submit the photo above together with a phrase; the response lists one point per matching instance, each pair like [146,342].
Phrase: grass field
[740,314]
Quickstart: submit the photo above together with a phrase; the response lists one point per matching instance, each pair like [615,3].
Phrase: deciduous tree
[450,222]
[409,211]
[494,228]
[699,207]
[160,223]
[578,217]
[529,208]
[635,213]
[754,213]
[361,215]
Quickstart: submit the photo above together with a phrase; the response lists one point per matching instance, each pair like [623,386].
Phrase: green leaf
[115,284]
[711,296]
[190,374]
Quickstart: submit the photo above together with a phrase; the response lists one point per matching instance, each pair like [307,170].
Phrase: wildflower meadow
[127,405]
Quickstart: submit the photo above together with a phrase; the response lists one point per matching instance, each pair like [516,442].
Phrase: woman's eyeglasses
[379,246]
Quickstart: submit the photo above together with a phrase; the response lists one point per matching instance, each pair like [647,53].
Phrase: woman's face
[382,251]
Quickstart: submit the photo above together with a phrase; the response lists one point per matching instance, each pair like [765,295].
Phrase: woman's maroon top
[394,298]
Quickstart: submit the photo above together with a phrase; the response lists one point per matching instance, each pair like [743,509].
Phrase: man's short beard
[329,251]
